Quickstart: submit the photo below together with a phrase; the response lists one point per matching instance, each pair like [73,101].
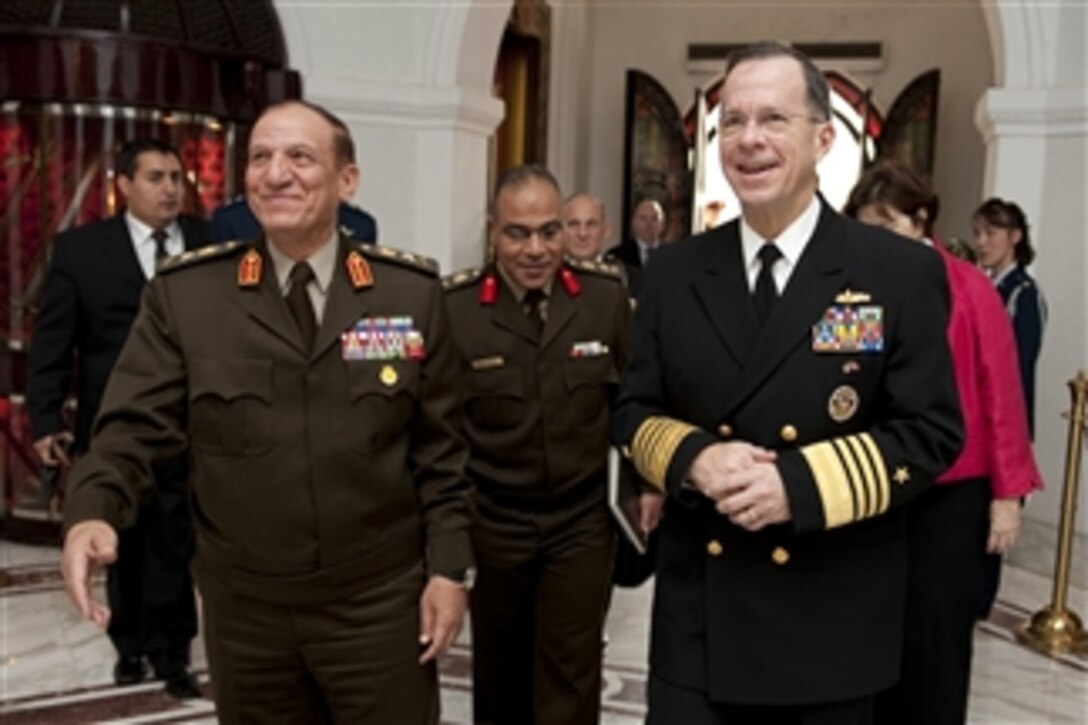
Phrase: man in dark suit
[790,389]
[315,380]
[542,342]
[235,220]
[647,225]
[91,297]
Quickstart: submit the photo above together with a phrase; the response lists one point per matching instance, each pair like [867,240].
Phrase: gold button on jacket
[714,547]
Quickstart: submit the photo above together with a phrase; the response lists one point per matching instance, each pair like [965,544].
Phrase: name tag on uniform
[850,329]
[488,363]
[382,338]
[589,348]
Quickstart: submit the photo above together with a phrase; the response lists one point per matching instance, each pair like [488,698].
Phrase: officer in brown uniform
[542,344]
[315,381]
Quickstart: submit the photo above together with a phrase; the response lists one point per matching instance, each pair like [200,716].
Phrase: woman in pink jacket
[975,506]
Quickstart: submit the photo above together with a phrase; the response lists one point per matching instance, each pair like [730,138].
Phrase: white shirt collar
[791,242]
[141,233]
[999,277]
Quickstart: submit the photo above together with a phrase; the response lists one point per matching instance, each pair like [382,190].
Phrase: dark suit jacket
[315,474]
[809,611]
[91,297]
[235,220]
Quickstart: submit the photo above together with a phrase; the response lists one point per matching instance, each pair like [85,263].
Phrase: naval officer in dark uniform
[315,381]
[542,343]
[790,389]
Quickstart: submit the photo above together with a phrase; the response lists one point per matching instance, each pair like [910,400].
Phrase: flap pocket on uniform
[598,370]
[230,379]
[502,382]
[387,378]
[230,406]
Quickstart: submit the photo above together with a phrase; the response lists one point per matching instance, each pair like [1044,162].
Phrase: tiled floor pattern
[55,668]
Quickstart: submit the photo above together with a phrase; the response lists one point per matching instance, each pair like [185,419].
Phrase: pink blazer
[988,381]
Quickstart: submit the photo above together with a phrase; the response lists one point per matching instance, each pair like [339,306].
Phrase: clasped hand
[743,482]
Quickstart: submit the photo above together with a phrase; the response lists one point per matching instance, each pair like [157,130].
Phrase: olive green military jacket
[312,473]
[536,408]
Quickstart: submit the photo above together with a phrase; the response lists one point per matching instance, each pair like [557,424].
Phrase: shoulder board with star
[418,262]
[201,254]
[463,278]
[601,269]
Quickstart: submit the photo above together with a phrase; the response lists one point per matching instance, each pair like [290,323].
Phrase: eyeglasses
[772,123]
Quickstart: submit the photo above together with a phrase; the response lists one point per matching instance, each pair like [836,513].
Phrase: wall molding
[415,107]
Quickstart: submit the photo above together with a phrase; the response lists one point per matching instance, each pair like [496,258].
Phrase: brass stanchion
[1054,628]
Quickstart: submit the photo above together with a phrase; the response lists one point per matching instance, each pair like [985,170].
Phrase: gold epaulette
[418,262]
[463,278]
[200,254]
[602,269]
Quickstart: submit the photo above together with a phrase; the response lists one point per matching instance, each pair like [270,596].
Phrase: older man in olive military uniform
[542,343]
[315,381]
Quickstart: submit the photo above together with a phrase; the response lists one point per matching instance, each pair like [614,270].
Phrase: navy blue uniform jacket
[811,610]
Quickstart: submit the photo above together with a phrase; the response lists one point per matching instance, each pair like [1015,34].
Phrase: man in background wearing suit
[91,297]
[235,220]
[647,225]
[790,389]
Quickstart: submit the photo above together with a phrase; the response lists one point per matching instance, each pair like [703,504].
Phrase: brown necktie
[298,302]
[161,253]
[766,293]
[534,303]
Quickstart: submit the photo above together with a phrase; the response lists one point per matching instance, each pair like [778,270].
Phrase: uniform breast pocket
[384,394]
[589,382]
[230,406]
[495,399]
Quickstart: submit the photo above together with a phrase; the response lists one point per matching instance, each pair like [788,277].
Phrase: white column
[413,83]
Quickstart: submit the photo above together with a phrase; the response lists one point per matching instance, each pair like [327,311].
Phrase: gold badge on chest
[843,403]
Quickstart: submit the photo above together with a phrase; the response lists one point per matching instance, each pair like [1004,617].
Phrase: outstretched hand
[88,546]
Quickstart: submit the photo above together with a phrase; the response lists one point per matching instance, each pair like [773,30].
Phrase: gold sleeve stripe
[867,483]
[883,486]
[654,446]
[853,474]
[832,483]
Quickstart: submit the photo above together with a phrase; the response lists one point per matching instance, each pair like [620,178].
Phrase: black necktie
[766,293]
[298,302]
[161,253]
[534,302]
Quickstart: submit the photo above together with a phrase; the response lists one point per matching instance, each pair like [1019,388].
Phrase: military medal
[590,348]
[249,269]
[850,329]
[383,338]
[358,271]
[843,403]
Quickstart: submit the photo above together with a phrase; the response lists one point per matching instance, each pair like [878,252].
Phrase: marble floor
[55,668]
